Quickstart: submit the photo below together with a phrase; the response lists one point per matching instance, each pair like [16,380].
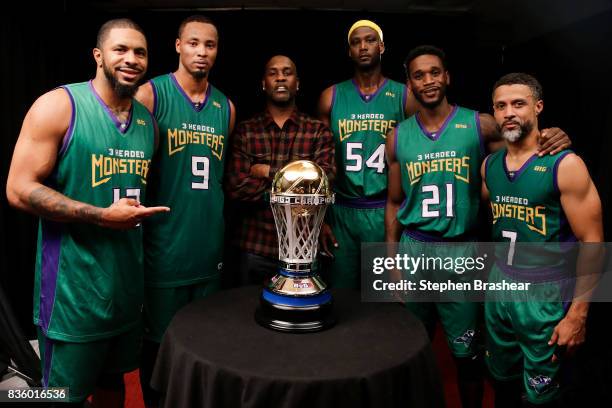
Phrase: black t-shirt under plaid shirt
[259,140]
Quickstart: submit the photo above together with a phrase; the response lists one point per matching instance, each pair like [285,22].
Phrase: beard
[515,135]
[123,91]
[431,104]
[198,74]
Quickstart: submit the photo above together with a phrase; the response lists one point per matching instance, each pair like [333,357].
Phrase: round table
[214,354]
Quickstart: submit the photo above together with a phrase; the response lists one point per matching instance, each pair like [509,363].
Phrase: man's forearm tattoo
[54,206]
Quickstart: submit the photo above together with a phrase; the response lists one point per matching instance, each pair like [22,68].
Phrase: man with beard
[81,164]
[261,146]
[360,111]
[434,193]
[523,337]
[184,252]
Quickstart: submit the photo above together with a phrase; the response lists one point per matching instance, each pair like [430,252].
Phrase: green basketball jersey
[89,279]
[360,124]
[526,206]
[440,176]
[186,246]
[526,201]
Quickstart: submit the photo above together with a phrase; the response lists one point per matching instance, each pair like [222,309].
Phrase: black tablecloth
[214,354]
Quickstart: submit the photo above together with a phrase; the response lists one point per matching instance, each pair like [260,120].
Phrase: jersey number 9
[200,168]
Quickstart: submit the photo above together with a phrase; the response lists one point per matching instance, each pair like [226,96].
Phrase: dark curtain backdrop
[40,52]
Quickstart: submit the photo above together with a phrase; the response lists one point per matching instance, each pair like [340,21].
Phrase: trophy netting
[298,227]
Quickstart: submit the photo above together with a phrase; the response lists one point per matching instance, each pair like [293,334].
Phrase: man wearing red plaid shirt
[261,146]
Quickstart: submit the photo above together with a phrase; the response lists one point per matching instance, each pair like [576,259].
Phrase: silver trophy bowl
[296,299]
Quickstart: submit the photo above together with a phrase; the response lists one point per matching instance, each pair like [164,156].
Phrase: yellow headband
[365,23]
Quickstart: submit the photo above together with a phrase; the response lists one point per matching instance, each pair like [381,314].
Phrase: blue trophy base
[295,314]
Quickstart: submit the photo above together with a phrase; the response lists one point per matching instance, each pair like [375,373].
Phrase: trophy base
[295,318]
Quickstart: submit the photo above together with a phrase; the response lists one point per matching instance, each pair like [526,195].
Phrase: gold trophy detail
[297,299]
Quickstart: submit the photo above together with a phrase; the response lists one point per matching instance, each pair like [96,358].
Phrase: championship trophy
[296,299]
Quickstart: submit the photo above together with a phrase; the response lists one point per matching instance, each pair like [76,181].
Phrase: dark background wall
[39,52]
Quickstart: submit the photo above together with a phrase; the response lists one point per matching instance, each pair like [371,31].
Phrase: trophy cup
[296,299]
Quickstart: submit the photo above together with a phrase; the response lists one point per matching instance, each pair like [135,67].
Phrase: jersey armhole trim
[155,99]
[229,116]
[483,150]
[155,128]
[486,172]
[333,102]
[69,133]
[556,169]
[395,134]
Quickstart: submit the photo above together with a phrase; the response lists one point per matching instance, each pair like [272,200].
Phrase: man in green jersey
[184,252]
[360,112]
[81,164]
[433,193]
[533,199]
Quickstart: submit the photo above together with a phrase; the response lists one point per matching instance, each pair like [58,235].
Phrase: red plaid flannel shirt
[259,140]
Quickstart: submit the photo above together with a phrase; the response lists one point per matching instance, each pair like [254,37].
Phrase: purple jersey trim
[371,97]
[48,359]
[50,254]
[534,275]
[403,205]
[155,128]
[206,96]
[188,99]
[361,203]
[486,170]
[556,169]
[559,276]
[229,116]
[68,135]
[121,127]
[395,132]
[427,237]
[483,150]
[566,305]
[519,171]
[565,230]
[155,97]
[442,128]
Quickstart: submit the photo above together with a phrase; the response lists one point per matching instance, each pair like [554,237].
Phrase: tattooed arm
[33,161]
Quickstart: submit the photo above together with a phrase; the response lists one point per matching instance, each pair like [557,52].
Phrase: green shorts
[459,320]
[161,304]
[79,365]
[352,226]
[517,341]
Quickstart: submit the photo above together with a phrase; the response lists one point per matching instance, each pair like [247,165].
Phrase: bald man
[260,147]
